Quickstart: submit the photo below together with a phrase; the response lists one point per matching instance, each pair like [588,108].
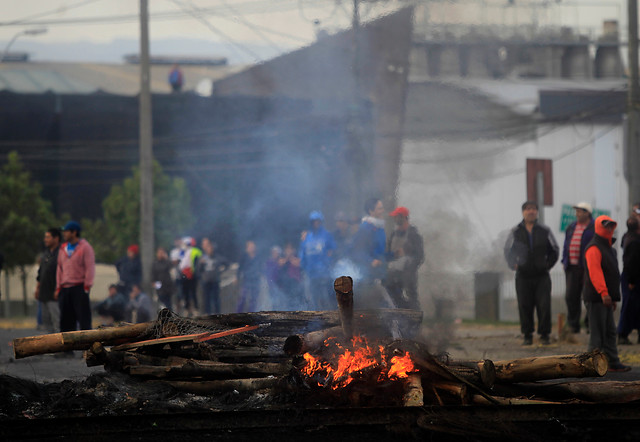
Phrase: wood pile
[268,352]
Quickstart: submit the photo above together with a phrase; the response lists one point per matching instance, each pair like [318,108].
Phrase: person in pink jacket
[75,273]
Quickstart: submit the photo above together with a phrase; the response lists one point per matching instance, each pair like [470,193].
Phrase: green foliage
[121,227]
[25,215]
[102,242]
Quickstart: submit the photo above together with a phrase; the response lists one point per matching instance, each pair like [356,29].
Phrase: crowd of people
[187,279]
[592,277]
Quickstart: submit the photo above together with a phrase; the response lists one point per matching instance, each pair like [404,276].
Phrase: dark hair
[529,203]
[632,224]
[370,205]
[55,232]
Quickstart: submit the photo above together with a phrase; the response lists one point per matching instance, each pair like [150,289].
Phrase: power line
[167,15]
[241,20]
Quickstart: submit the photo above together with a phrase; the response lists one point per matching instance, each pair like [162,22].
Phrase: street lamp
[35,31]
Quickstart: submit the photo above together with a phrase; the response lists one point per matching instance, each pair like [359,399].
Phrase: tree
[25,218]
[171,210]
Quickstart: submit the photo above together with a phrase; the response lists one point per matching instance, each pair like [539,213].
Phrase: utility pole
[633,104]
[146,152]
[357,155]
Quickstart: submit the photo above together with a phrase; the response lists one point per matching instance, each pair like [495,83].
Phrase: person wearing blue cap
[315,253]
[74,275]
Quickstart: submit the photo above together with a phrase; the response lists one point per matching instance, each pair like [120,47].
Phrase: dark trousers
[602,331]
[248,299]
[403,284]
[189,293]
[211,295]
[575,278]
[322,294]
[630,309]
[75,309]
[534,293]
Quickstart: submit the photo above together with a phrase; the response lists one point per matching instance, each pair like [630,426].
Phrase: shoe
[623,340]
[528,340]
[544,340]
[619,367]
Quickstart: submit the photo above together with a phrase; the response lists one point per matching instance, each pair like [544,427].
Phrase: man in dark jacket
[163,281]
[129,269]
[576,238]
[405,253]
[531,250]
[630,282]
[46,286]
[602,290]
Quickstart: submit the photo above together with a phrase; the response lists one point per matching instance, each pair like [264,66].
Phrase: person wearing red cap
[405,253]
[601,291]
[129,269]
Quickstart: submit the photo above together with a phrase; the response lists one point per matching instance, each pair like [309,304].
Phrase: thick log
[598,392]
[478,372]
[208,387]
[301,344]
[78,340]
[208,370]
[592,364]
[343,287]
[413,394]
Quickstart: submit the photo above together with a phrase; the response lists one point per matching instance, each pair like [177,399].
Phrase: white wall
[464,196]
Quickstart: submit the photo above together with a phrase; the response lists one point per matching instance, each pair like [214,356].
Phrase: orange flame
[351,362]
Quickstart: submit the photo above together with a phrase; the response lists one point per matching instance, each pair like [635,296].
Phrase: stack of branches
[209,354]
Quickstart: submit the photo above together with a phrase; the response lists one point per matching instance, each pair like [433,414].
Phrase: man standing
[577,236]
[531,250]
[210,268]
[46,286]
[129,269]
[248,276]
[315,254]
[630,282]
[368,255]
[405,253]
[602,291]
[75,272]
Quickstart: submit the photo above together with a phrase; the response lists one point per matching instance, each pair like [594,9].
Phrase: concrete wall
[465,208]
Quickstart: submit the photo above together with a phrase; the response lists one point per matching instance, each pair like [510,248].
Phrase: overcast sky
[279,25]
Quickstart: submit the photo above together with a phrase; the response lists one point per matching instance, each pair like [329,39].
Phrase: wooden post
[344,295]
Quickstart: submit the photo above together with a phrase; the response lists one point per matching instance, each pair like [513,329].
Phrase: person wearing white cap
[578,234]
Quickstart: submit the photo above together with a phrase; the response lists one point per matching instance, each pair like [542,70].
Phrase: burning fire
[348,364]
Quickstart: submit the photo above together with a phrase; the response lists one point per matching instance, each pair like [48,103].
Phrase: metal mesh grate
[171,324]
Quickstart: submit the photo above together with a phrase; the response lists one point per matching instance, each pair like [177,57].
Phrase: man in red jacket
[75,273]
[602,290]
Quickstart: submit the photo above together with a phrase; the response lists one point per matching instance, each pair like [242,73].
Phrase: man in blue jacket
[577,236]
[316,249]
